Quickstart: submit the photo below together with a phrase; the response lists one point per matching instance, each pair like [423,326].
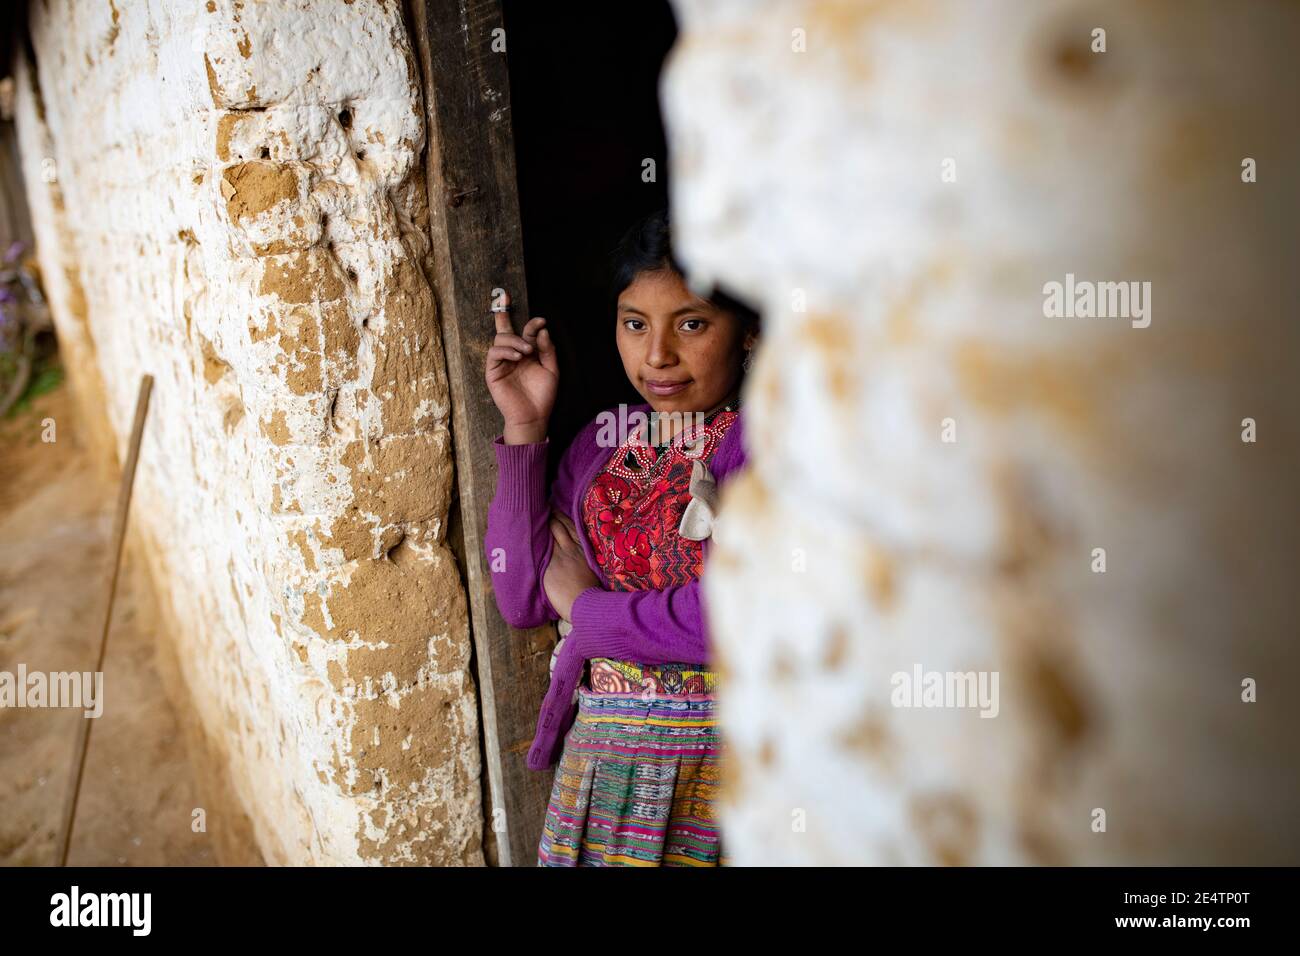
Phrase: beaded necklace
[642,460]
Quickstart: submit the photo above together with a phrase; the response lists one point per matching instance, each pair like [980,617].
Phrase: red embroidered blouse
[631,513]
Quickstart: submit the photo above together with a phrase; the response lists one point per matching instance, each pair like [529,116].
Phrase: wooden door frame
[477,247]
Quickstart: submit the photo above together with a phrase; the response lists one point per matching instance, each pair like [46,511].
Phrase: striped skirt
[637,784]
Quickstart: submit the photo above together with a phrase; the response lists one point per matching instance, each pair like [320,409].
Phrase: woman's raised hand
[523,378]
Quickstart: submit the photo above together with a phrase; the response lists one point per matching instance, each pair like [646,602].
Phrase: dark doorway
[584,90]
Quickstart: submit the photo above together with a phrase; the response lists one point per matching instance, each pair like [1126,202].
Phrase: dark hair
[647,247]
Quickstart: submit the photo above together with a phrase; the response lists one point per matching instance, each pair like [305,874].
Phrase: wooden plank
[15,220]
[477,247]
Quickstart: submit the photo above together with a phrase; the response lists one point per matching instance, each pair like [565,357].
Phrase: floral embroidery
[633,547]
[610,489]
[611,492]
[608,680]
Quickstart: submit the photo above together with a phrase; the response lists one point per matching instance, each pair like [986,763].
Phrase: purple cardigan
[650,627]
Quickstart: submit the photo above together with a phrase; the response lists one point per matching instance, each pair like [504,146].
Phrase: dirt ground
[140,786]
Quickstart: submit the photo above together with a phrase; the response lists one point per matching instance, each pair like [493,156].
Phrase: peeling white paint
[231,241]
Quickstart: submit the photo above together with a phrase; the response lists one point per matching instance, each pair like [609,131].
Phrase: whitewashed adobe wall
[240,199]
[809,144]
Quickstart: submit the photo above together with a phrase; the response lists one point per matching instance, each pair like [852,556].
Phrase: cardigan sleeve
[655,626]
[518,541]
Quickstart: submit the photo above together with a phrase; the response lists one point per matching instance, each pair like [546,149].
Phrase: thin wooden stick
[119,537]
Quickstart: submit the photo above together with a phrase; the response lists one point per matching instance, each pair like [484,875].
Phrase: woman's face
[682,353]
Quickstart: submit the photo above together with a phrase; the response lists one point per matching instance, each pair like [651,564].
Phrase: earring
[749,358]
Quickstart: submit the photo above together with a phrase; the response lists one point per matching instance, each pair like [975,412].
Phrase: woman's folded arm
[656,626]
[517,542]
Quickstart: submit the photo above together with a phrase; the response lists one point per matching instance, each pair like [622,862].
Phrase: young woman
[613,552]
